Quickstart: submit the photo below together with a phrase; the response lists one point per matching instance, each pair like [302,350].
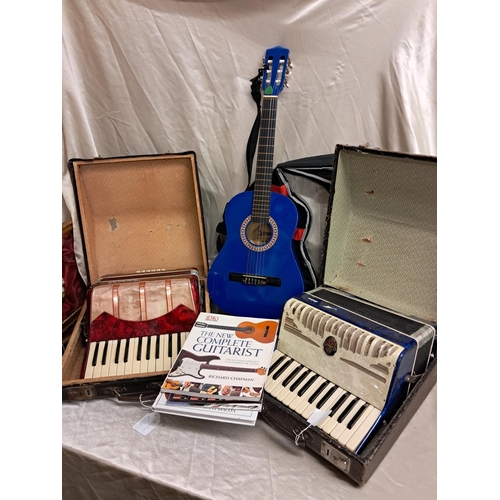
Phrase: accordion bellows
[142,300]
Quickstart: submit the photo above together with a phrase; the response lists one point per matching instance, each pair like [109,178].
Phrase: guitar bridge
[252,279]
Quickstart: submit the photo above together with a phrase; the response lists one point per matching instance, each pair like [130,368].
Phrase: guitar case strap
[316,169]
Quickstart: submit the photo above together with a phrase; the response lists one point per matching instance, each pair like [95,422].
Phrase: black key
[125,356]
[139,349]
[169,345]
[299,380]
[117,354]
[317,392]
[339,403]
[325,398]
[104,353]
[148,348]
[178,344]
[282,369]
[356,417]
[275,364]
[291,376]
[349,407]
[307,385]
[157,352]
[96,352]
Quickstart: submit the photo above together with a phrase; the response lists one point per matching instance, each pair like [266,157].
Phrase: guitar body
[254,276]
[263,332]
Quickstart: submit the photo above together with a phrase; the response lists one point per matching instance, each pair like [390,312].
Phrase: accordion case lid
[380,241]
[140,213]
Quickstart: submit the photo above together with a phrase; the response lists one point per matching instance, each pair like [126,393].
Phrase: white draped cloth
[155,76]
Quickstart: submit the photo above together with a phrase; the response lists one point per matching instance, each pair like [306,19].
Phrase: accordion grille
[359,361]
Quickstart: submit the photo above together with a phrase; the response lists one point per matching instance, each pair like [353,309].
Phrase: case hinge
[335,457]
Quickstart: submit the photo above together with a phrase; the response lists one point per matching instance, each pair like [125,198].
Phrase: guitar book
[224,357]
[227,414]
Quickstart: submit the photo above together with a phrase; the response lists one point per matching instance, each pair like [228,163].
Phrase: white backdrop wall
[156,76]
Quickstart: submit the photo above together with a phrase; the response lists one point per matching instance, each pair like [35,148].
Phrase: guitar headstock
[276,70]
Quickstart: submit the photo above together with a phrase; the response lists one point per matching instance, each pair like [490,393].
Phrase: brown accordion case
[142,229]
[379,249]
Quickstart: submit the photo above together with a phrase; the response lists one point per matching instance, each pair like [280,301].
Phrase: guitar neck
[230,368]
[264,165]
[222,327]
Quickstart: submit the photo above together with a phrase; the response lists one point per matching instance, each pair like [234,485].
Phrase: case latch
[335,457]
[81,393]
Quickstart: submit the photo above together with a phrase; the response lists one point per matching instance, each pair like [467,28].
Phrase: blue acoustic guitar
[256,271]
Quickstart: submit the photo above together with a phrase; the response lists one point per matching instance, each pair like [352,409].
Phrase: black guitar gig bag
[299,172]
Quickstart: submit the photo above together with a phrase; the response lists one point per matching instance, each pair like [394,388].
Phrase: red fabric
[298,234]
[279,189]
[109,327]
[74,286]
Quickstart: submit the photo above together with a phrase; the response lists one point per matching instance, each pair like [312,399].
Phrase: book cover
[224,357]
[232,415]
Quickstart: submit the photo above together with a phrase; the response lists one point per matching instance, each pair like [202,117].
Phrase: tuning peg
[290,65]
[286,84]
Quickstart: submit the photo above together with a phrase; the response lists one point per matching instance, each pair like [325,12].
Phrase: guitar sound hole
[258,234]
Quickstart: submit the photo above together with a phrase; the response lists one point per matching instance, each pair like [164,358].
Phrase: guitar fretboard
[223,327]
[264,165]
[229,368]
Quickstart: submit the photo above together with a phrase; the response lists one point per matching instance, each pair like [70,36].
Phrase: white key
[342,426]
[283,364]
[179,343]
[285,391]
[132,355]
[275,384]
[98,365]
[331,422]
[277,361]
[105,355]
[112,354]
[291,395]
[143,362]
[276,354]
[184,336]
[347,433]
[301,401]
[152,353]
[89,369]
[173,339]
[167,360]
[309,409]
[160,360]
[120,347]
[357,437]
[330,403]
[132,365]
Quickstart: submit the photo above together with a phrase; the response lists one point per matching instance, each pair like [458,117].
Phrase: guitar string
[266,204]
[269,163]
[262,204]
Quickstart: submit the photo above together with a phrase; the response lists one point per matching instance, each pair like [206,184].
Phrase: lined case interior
[381,240]
[140,214]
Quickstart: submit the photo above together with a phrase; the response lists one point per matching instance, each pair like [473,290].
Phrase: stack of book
[221,370]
